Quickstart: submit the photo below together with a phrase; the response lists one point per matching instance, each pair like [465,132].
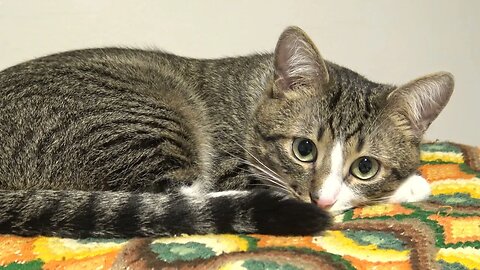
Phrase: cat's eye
[304,149]
[364,168]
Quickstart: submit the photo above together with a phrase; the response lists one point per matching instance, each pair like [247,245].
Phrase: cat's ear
[420,101]
[297,62]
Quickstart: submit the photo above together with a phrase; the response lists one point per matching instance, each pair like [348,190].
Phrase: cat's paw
[414,189]
[276,214]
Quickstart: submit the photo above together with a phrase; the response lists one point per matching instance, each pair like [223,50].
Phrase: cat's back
[112,64]
[94,114]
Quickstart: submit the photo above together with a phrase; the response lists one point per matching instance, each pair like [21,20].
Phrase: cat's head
[332,136]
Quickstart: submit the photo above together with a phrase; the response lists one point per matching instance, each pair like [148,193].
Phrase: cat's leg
[414,189]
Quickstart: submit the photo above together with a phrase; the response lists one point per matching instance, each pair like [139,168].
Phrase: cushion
[440,233]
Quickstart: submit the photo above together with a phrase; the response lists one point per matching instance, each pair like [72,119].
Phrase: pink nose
[325,202]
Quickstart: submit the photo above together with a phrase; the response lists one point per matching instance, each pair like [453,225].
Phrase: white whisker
[265,173]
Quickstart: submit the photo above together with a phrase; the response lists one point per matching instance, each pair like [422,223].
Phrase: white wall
[388,41]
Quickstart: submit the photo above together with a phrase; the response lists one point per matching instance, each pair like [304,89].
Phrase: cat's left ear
[420,101]
[297,63]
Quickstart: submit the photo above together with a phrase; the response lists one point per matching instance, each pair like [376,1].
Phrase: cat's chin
[414,189]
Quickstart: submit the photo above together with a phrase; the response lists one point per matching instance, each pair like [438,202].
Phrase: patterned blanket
[441,233]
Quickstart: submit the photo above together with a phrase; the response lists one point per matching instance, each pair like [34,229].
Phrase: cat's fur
[121,142]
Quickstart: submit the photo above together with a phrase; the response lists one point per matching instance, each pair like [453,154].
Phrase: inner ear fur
[420,101]
[297,62]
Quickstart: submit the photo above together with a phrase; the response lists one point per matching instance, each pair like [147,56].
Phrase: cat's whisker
[271,186]
[266,176]
[276,179]
[273,176]
[250,154]
[256,159]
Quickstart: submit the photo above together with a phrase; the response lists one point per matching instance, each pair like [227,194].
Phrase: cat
[117,142]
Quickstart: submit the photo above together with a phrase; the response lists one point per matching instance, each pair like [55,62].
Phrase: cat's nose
[322,202]
[325,202]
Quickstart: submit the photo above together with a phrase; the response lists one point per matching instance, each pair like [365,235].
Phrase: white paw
[414,189]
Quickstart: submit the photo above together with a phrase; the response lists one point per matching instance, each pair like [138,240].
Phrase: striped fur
[128,214]
[122,142]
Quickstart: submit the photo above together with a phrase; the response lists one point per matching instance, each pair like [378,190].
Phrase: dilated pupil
[365,165]
[305,147]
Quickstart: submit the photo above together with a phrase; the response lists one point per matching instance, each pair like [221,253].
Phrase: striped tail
[80,214]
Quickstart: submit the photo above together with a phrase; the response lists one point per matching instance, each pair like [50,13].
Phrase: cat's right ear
[297,63]
[420,101]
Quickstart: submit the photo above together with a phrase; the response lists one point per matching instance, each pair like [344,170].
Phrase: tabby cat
[121,142]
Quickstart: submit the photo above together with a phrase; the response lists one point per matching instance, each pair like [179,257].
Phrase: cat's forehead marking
[332,184]
[336,162]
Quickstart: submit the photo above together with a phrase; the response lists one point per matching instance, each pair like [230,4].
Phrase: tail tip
[277,215]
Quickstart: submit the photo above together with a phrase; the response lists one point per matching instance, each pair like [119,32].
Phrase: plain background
[387,41]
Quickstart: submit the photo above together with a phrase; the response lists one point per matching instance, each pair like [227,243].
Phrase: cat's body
[107,96]
[121,142]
